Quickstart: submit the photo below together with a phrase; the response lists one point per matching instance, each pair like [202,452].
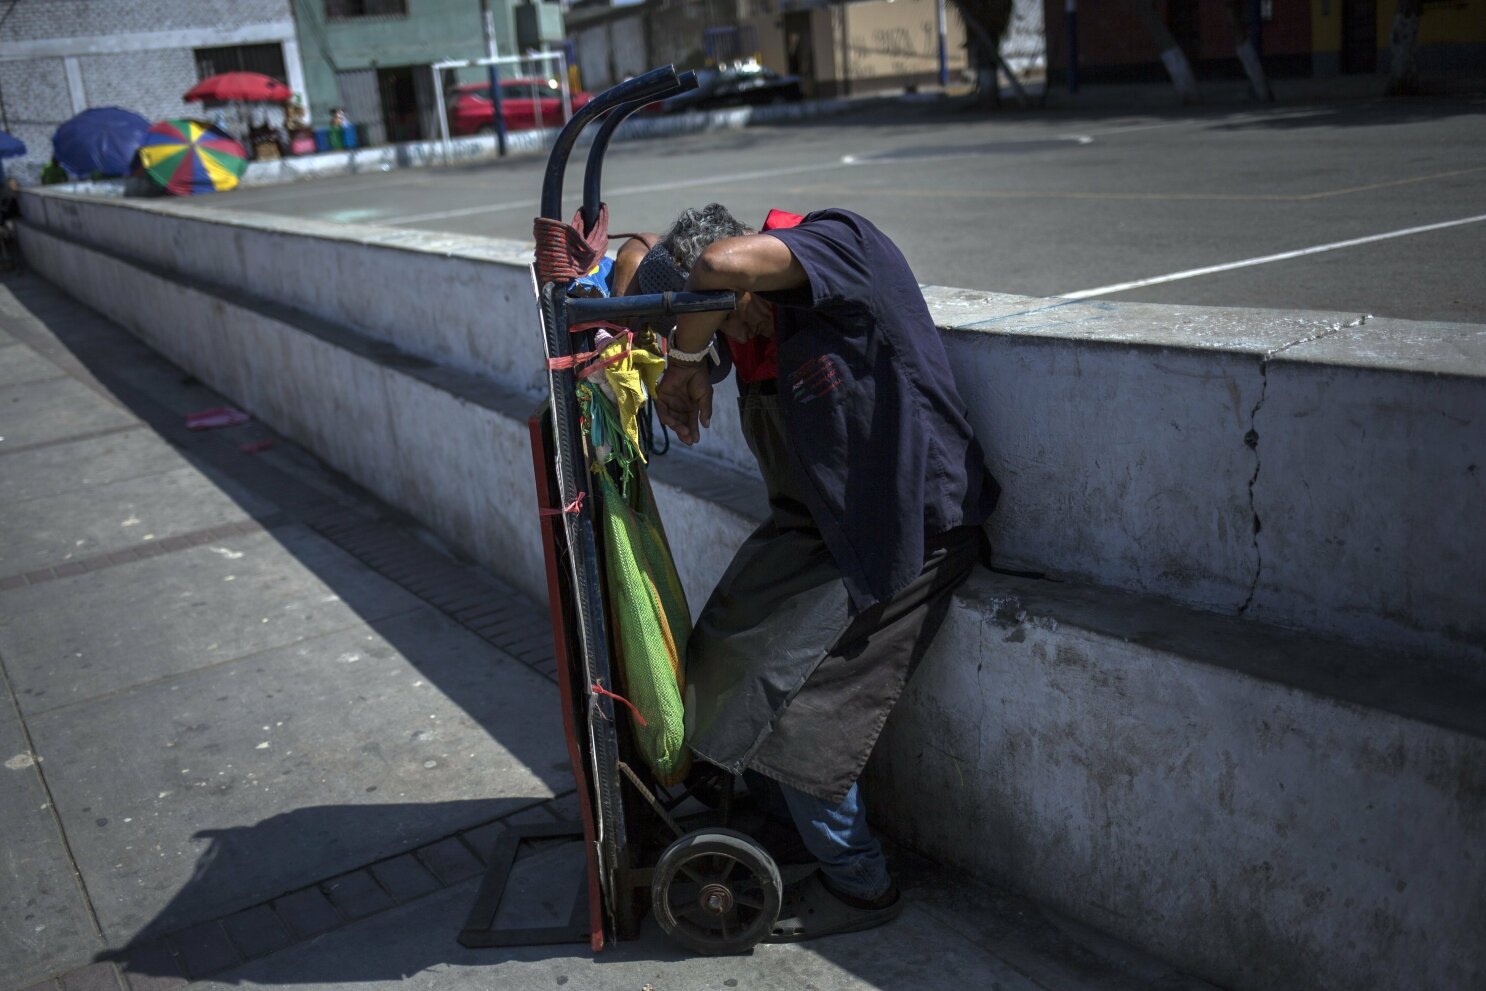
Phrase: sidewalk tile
[205,949]
[256,931]
[87,522]
[21,365]
[152,967]
[450,860]
[93,977]
[44,924]
[404,877]
[357,894]
[482,839]
[37,412]
[133,452]
[166,616]
[307,913]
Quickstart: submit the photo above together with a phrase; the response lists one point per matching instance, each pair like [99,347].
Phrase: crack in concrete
[1251,441]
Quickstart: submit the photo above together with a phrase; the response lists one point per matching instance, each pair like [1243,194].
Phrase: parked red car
[525,103]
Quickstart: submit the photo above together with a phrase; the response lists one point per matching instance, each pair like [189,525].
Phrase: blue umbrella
[99,141]
[10,147]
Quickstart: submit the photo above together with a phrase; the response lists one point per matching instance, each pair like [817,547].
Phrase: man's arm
[753,263]
[631,253]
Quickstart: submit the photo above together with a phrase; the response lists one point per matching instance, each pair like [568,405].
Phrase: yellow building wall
[1326,25]
[899,41]
[883,44]
[1443,22]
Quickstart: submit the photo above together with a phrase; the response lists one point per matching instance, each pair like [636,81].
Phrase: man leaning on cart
[877,490]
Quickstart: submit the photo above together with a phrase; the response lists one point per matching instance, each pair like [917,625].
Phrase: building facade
[837,49]
[1298,38]
[372,57]
[61,57]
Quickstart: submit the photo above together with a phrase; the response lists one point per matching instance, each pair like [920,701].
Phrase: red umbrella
[247,87]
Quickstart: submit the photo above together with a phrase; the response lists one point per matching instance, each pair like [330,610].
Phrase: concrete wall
[1267,808]
[1227,459]
[1232,798]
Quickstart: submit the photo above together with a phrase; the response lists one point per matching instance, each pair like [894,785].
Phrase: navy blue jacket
[874,421]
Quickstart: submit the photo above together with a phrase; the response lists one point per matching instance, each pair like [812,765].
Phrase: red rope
[571,361]
[613,328]
[566,251]
[571,507]
[574,360]
[601,690]
[589,371]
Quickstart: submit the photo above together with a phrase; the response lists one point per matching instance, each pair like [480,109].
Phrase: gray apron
[780,678]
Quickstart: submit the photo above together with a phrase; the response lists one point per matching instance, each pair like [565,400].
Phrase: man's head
[695,229]
[667,265]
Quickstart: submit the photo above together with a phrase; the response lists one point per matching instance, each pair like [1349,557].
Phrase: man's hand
[684,394]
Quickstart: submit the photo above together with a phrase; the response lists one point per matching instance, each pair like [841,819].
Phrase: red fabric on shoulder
[780,218]
[755,359]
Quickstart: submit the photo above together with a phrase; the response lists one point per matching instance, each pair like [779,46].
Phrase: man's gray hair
[695,229]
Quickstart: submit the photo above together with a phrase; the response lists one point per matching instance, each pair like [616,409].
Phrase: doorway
[799,49]
[1359,35]
[399,94]
[1183,20]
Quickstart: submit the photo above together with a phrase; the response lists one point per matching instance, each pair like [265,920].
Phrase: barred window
[267,59]
[339,10]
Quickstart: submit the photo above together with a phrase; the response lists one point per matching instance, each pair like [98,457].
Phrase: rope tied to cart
[584,363]
[567,251]
[571,509]
[600,690]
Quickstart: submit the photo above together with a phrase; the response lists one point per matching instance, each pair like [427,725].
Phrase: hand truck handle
[647,87]
[661,304]
[593,174]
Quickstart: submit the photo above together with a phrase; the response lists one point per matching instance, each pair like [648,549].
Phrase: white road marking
[531,204]
[970,152]
[1193,273]
[1202,120]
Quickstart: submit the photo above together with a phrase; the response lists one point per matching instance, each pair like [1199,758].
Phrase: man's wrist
[696,358]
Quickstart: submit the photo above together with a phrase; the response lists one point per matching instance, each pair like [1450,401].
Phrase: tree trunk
[985,22]
[1244,45]
[1403,74]
[1172,55]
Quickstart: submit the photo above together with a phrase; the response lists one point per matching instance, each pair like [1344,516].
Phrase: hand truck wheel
[716,892]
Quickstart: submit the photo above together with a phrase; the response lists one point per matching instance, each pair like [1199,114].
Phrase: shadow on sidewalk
[247,865]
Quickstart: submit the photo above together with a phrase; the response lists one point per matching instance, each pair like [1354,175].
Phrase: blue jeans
[836,835]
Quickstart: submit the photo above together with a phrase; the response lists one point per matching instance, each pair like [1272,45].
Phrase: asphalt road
[1051,202]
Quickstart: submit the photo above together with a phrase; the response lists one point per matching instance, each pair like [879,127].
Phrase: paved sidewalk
[258,729]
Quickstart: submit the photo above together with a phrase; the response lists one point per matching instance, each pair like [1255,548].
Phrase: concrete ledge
[1309,469]
[445,445]
[1248,804]
[1265,809]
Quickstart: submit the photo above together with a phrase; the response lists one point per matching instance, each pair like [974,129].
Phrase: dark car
[747,84]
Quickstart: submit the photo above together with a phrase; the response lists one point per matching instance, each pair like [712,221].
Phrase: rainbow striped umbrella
[191,156]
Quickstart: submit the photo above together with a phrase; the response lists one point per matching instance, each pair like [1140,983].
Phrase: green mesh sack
[647,607]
